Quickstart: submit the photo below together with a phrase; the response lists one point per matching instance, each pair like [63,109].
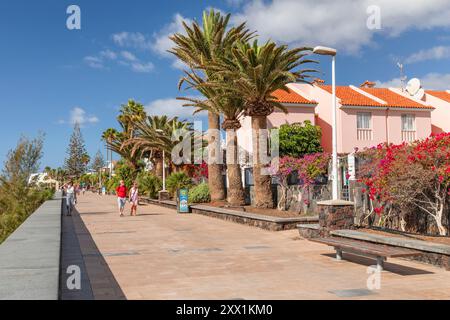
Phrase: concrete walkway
[163,255]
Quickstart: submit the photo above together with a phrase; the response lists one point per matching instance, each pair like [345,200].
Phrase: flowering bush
[199,173]
[308,169]
[410,175]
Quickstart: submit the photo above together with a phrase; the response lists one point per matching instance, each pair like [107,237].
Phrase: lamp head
[325,51]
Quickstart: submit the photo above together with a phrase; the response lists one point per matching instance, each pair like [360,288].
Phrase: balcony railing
[364,134]
[408,135]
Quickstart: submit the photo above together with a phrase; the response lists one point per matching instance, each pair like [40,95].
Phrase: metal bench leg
[380,263]
[338,254]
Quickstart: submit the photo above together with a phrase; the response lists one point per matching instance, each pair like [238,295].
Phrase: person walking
[134,199]
[71,197]
[121,192]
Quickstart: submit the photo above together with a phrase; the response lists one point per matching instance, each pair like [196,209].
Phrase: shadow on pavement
[79,249]
[388,266]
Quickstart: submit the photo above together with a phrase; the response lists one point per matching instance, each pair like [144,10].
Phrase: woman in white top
[71,197]
[134,199]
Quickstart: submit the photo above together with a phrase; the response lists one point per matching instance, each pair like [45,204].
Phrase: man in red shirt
[121,193]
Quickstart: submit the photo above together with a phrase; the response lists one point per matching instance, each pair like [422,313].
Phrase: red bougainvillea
[406,175]
[308,169]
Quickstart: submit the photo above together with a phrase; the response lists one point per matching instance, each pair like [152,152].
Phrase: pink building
[366,116]
[440,117]
[300,109]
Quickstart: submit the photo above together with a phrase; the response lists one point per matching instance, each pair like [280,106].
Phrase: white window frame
[364,133]
[405,121]
[358,114]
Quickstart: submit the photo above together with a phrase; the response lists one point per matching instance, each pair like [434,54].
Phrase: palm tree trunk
[215,179]
[159,167]
[235,192]
[262,182]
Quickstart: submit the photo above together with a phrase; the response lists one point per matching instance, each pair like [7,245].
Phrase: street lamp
[332,52]
[164,164]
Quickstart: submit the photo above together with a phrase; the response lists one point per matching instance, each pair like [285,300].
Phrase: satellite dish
[419,95]
[413,86]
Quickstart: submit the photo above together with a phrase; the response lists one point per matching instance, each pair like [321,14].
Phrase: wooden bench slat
[367,248]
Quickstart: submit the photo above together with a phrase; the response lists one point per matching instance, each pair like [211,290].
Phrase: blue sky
[51,76]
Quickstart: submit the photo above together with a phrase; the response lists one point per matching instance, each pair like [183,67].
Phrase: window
[364,120]
[364,126]
[408,127]
[408,122]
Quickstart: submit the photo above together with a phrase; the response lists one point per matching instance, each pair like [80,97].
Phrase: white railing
[408,135]
[364,134]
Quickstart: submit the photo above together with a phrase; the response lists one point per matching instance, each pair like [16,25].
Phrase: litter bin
[183,201]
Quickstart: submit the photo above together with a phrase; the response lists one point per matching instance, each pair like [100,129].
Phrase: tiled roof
[350,97]
[395,100]
[443,95]
[291,97]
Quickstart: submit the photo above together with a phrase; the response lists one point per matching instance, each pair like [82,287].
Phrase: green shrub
[15,210]
[178,180]
[149,184]
[200,194]
[126,173]
[112,184]
[298,139]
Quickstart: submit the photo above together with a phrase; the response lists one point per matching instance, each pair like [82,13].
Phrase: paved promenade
[163,255]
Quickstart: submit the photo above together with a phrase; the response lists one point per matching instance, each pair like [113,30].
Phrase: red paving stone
[163,255]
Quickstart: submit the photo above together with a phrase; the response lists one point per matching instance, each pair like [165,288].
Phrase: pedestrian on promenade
[134,199]
[71,197]
[121,192]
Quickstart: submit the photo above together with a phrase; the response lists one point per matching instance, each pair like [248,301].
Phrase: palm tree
[130,114]
[153,136]
[254,73]
[201,46]
[232,108]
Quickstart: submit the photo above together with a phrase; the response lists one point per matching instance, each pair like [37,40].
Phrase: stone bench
[433,253]
[366,249]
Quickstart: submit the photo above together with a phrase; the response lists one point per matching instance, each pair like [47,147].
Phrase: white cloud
[127,55]
[341,24]
[431,81]
[94,62]
[393,83]
[108,54]
[131,40]
[142,67]
[435,53]
[161,42]
[79,115]
[170,107]
[124,58]
[437,81]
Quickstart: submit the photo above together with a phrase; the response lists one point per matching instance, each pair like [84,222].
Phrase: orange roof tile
[291,97]
[443,95]
[394,100]
[350,97]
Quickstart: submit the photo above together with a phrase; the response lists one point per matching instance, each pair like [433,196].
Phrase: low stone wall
[30,257]
[166,203]
[335,215]
[251,219]
[299,199]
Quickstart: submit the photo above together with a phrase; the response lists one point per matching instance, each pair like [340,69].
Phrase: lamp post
[164,171]
[332,52]
[164,164]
